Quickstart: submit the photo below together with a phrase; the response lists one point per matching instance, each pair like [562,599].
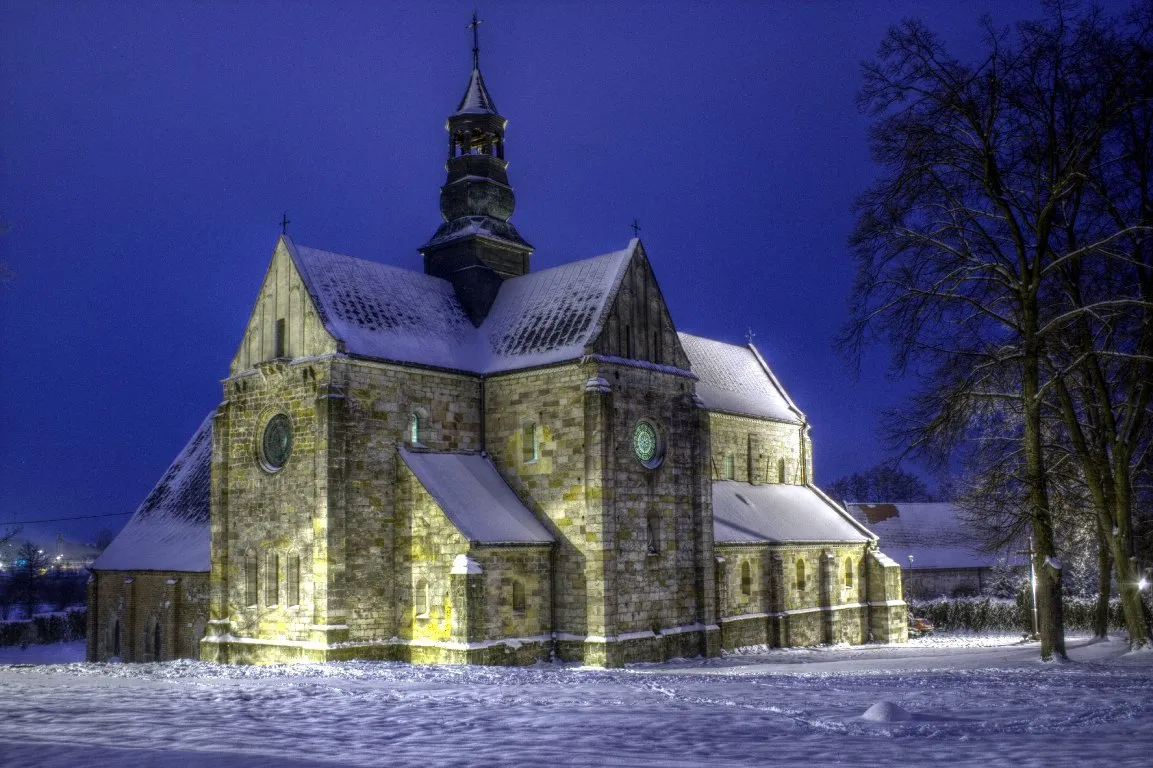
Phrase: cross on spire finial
[636,226]
[749,335]
[284,222]
[474,26]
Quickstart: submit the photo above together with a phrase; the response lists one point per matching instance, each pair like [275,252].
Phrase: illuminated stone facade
[487,464]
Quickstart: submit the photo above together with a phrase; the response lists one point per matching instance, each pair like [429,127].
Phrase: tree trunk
[1050,609]
[1104,581]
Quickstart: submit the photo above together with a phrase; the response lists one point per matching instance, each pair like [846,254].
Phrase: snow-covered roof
[404,316]
[475,498]
[936,535]
[169,531]
[779,513]
[476,99]
[387,312]
[736,379]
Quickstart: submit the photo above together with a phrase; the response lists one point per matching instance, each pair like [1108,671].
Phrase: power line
[61,519]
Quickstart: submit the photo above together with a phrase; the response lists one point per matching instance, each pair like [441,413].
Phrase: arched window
[272,580]
[848,573]
[156,642]
[746,578]
[800,575]
[250,578]
[293,579]
[530,446]
[414,428]
[730,467]
[780,470]
[420,600]
[518,603]
[654,533]
[116,638]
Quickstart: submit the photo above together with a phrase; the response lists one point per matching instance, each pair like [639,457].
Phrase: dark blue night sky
[148,150]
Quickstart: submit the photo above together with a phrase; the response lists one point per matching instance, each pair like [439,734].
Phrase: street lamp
[1032,553]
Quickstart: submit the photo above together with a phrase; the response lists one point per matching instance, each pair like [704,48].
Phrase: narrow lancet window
[293,595]
[272,580]
[250,579]
[414,428]
[279,340]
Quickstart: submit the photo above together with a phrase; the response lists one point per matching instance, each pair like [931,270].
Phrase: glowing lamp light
[1143,584]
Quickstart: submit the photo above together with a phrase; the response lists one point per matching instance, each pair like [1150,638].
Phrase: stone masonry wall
[737,438]
[143,606]
[426,545]
[379,401]
[763,601]
[548,405]
[332,504]
[656,589]
[258,514]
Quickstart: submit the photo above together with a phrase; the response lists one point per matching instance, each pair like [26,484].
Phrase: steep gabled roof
[550,316]
[475,498]
[779,513]
[935,534]
[736,379]
[399,315]
[169,531]
[386,312]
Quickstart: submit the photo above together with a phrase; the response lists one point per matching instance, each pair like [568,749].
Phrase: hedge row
[990,614]
[45,628]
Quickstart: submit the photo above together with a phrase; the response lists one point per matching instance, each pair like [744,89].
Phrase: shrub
[989,614]
[45,628]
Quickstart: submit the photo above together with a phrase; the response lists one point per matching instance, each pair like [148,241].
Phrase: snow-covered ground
[968,700]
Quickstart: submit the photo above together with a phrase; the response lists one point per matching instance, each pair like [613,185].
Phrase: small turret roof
[477,100]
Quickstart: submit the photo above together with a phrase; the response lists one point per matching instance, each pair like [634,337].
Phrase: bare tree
[960,245]
[881,483]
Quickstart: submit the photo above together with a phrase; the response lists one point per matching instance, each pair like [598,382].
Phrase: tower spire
[476,248]
[474,25]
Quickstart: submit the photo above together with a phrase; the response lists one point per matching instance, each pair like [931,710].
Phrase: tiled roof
[935,534]
[735,379]
[169,531]
[404,316]
[475,498]
[779,513]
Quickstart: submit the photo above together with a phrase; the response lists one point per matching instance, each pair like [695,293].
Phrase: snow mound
[886,712]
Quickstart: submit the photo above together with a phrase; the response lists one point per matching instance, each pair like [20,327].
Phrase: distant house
[61,551]
[939,551]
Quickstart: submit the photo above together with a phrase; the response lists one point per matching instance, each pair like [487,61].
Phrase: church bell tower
[476,247]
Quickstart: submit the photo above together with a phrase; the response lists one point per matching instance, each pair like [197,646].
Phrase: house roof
[405,316]
[936,535]
[779,513]
[169,531]
[736,379]
[475,498]
[57,546]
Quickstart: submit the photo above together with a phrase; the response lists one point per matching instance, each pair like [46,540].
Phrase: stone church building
[486,463]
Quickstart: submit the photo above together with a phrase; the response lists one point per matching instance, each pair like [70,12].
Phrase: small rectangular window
[530,447]
[280,340]
[654,533]
[272,580]
[293,595]
[250,579]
